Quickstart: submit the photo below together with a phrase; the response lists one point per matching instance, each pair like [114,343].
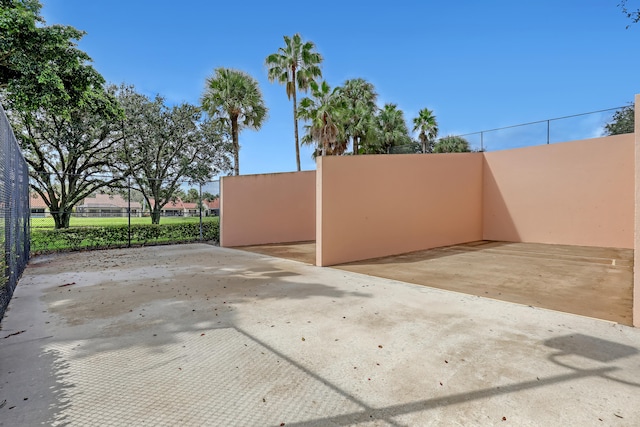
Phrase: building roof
[171,205]
[108,201]
[178,204]
[99,201]
[36,202]
[214,204]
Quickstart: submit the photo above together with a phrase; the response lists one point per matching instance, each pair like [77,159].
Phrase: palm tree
[295,65]
[234,97]
[359,97]
[392,128]
[452,144]
[324,111]
[427,125]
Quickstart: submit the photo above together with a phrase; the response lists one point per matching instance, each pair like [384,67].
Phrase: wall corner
[636,245]
[483,183]
[319,160]
[221,214]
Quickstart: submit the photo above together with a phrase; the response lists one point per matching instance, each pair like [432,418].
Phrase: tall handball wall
[267,208]
[373,206]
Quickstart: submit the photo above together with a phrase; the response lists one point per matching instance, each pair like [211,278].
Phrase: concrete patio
[201,335]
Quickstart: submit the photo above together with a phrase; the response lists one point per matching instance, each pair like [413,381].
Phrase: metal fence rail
[14,212]
[591,124]
[547,131]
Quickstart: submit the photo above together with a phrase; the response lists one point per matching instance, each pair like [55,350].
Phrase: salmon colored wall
[372,206]
[574,193]
[268,208]
[636,252]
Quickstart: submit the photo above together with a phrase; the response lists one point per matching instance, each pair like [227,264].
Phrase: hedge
[111,236]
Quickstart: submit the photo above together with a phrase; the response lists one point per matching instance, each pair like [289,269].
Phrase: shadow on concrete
[582,345]
[591,347]
[429,254]
[138,318]
[184,298]
[102,302]
[296,251]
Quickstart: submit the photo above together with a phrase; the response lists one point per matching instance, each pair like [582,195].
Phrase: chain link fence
[14,211]
[548,131]
[122,217]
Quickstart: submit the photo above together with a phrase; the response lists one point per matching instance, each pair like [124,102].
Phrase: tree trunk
[236,146]
[155,215]
[61,219]
[355,145]
[325,142]
[295,120]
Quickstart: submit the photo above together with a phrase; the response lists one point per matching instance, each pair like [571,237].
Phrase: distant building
[107,205]
[180,208]
[212,207]
[39,208]
[114,205]
[172,208]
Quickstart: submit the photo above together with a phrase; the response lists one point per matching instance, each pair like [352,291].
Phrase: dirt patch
[594,282]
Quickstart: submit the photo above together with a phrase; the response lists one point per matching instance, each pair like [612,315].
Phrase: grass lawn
[101,222]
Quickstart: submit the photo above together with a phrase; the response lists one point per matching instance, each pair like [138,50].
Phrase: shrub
[110,236]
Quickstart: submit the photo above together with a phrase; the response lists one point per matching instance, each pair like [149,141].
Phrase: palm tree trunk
[236,146]
[355,145]
[295,121]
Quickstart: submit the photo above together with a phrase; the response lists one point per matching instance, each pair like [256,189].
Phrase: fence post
[14,210]
[200,184]
[6,203]
[129,211]
[548,126]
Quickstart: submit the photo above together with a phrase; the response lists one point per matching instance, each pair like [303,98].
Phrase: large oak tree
[164,146]
[61,113]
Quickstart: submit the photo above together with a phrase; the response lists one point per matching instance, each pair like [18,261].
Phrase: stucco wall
[372,206]
[636,252]
[575,193]
[267,208]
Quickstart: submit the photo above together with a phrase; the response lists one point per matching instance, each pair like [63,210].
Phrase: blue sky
[478,64]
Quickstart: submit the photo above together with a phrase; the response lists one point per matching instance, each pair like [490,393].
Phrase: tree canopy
[234,97]
[63,117]
[427,126]
[452,144]
[295,65]
[349,114]
[70,156]
[632,14]
[324,112]
[392,129]
[623,121]
[40,65]
[163,146]
[359,101]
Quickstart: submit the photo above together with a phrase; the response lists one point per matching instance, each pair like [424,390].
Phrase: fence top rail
[543,121]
